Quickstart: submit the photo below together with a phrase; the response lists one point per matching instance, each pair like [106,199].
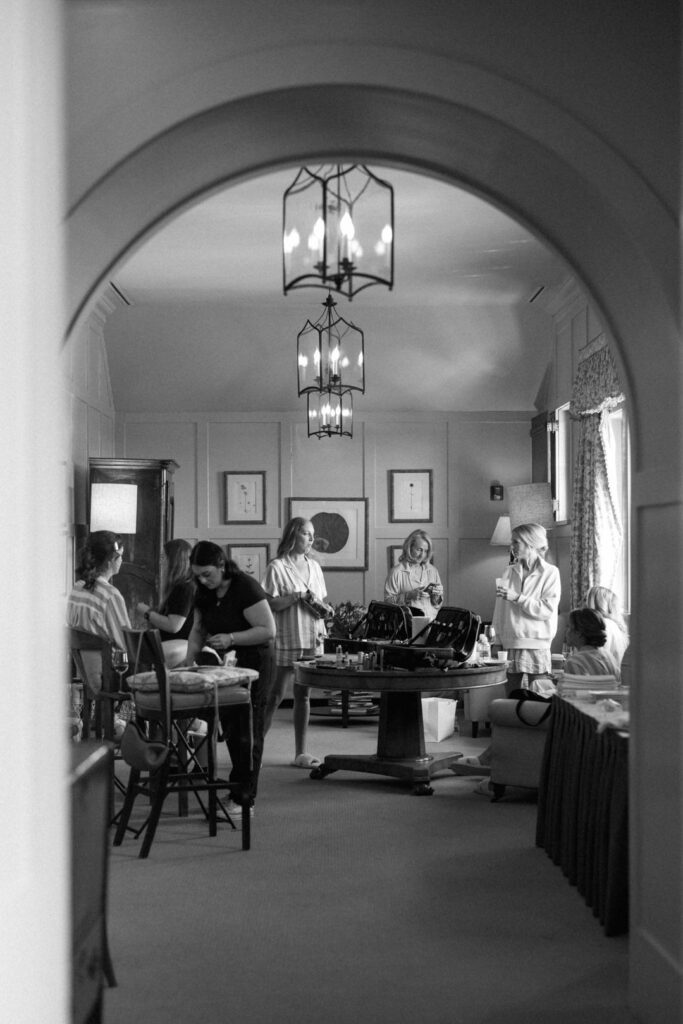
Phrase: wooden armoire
[140,576]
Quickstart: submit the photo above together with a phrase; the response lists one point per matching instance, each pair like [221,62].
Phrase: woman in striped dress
[292,579]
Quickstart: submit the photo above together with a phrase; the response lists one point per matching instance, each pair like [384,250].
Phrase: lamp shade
[503,532]
[114,507]
[531,503]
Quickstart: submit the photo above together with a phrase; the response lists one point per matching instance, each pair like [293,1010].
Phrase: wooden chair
[165,715]
[91,656]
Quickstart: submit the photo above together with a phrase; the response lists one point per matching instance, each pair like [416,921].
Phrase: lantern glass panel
[338,230]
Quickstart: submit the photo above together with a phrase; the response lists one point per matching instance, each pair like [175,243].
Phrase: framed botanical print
[410,496]
[341,530]
[245,498]
[251,558]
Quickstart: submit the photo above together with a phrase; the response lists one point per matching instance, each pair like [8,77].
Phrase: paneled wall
[464,451]
[85,380]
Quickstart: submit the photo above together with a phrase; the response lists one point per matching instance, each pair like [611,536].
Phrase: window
[561,462]
[620,471]
[561,468]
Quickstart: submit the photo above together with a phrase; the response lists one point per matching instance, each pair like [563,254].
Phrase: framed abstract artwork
[245,498]
[410,496]
[341,530]
[251,558]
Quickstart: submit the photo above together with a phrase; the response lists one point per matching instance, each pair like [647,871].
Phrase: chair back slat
[145,654]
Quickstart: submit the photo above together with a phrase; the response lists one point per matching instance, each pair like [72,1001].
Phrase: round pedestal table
[401,751]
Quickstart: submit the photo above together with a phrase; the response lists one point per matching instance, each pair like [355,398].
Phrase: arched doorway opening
[635,297]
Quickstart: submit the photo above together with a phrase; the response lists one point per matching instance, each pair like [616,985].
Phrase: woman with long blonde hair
[525,617]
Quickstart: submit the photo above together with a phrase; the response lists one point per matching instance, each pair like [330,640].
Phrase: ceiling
[203,324]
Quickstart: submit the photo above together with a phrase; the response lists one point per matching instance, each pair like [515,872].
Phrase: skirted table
[401,751]
[582,819]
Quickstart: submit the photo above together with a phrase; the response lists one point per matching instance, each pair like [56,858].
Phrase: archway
[634,290]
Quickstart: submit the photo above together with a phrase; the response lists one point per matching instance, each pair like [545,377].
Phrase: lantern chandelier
[338,230]
[330,365]
[330,413]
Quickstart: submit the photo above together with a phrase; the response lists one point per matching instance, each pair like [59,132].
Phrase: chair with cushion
[518,734]
[162,758]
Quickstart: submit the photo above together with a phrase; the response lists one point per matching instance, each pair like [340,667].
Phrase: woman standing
[173,618]
[415,581]
[525,618]
[525,615]
[292,579]
[231,612]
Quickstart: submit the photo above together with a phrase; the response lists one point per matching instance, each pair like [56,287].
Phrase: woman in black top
[231,612]
[173,618]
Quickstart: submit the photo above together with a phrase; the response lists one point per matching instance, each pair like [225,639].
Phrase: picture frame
[341,530]
[394,552]
[411,495]
[251,558]
[245,497]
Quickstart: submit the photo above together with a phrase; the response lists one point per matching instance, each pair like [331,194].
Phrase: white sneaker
[235,810]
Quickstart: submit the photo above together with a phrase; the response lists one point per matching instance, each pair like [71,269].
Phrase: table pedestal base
[401,751]
[415,770]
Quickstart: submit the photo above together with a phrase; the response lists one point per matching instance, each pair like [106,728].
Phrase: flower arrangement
[346,617]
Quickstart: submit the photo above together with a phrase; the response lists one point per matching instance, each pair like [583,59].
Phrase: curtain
[597,531]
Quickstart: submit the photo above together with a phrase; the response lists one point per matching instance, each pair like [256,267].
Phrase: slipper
[306,761]
[474,762]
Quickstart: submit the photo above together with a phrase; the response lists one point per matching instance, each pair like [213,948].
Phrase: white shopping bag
[438,716]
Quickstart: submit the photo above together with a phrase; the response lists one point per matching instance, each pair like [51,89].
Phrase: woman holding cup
[525,616]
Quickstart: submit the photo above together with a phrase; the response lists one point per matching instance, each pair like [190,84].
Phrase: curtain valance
[596,386]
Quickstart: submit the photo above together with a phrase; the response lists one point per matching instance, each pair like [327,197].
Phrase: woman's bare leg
[302,712]
[282,676]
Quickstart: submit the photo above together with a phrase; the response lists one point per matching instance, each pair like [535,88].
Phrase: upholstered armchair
[517,743]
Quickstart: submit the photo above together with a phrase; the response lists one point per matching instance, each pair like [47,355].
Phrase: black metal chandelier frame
[334,235]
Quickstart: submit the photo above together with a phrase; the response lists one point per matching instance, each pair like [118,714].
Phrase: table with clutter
[401,751]
[582,818]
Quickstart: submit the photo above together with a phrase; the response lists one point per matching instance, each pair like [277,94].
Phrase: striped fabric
[101,611]
[298,631]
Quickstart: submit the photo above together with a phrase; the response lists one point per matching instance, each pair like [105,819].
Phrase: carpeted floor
[358,903]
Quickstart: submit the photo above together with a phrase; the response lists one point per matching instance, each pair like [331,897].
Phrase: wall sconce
[497,492]
[114,507]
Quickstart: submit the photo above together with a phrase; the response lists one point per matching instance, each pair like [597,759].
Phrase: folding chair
[165,714]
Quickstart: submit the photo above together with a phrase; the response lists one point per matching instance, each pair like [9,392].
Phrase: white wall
[34,839]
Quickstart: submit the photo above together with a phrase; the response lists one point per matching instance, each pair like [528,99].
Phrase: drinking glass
[119,662]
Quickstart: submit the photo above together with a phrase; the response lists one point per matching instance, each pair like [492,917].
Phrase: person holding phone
[415,581]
